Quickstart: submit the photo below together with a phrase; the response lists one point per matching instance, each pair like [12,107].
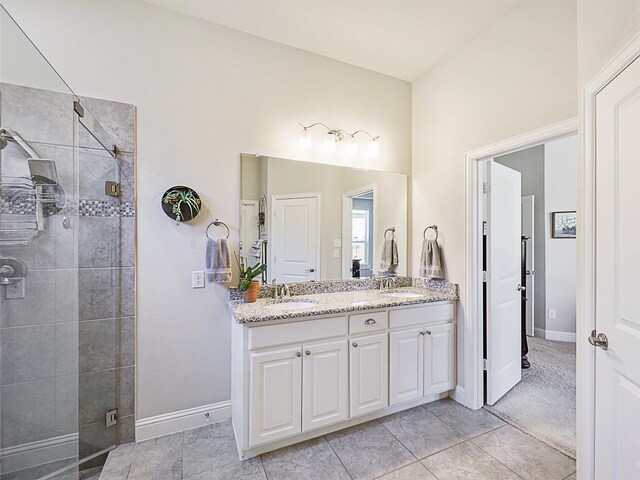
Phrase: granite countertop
[331,303]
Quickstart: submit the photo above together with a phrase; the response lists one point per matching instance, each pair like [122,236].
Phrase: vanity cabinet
[325,384]
[295,379]
[274,393]
[368,374]
[421,362]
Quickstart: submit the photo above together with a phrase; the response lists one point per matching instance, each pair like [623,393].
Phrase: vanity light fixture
[334,136]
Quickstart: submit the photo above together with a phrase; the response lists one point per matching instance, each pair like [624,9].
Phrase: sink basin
[404,294]
[291,305]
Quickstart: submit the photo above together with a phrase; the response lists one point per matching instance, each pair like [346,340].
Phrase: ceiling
[400,38]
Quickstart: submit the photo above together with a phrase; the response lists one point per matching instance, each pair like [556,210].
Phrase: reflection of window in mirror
[362,235]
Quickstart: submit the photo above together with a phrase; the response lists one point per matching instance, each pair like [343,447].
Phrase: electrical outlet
[336,253]
[15,290]
[197,279]
[552,313]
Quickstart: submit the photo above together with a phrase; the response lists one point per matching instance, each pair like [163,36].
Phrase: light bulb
[329,143]
[374,148]
[304,141]
[352,146]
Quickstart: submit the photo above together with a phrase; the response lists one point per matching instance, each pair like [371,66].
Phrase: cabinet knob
[355,344]
[308,352]
[370,321]
[428,332]
[298,354]
[421,332]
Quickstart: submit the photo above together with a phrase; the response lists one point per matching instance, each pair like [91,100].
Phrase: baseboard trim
[49,450]
[460,396]
[182,420]
[556,335]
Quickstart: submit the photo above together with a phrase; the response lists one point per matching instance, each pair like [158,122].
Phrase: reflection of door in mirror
[358,221]
[250,248]
[295,246]
[362,234]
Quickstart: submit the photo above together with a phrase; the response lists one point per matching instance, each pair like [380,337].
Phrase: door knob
[298,354]
[599,340]
[355,345]
[310,270]
[520,288]
[307,353]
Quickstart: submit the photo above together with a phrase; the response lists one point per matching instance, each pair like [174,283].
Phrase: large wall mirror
[311,221]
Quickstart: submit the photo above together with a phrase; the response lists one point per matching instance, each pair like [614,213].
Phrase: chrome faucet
[286,292]
[274,284]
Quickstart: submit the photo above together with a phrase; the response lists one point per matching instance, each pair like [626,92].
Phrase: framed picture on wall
[564,225]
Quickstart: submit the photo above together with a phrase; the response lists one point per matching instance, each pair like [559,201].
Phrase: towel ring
[217,223]
[393,233]
[434,228]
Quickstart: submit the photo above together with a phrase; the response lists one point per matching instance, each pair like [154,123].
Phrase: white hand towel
[389,261]
[217,267]
[430,263]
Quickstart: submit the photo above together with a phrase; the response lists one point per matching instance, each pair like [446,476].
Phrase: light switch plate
[552,313]
[197,279]
[336,253]
[337,242]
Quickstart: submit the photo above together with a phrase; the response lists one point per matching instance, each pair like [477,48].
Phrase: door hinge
[112,188]
[485,228]
[486,187]
[485,276]
[484,364]
[111,418]
[79,109]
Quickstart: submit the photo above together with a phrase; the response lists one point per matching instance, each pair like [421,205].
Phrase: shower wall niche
[67,330]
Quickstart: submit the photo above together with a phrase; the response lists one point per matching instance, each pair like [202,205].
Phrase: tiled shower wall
[67,358]
[106,258]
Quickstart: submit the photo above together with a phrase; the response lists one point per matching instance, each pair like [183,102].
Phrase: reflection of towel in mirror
[389,261]
[430,264]
[217,267]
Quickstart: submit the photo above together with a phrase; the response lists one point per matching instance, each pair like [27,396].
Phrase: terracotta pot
[250,295]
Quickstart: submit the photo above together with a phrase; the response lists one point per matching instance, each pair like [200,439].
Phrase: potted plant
[248,286]
[181,203]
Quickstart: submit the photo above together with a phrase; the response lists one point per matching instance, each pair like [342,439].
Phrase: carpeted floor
[543,404]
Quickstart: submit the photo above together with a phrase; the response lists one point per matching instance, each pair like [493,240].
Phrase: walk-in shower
[66,269]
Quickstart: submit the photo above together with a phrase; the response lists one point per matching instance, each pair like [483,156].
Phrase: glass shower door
[57,303]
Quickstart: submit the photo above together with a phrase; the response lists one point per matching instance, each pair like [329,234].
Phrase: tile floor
[441,441]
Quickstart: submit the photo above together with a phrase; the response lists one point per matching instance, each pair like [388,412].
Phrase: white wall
[530,163]
[517,76]
[204,94]
[561,194]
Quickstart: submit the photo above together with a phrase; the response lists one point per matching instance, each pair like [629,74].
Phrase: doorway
[531,271]
[295,249]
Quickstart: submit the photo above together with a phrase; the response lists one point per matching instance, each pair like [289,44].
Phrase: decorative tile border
[86,208]
[101,208]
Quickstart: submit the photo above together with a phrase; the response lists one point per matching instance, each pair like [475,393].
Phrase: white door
[325,384]
[439,362]
[295,239]
[406,363]
[528,230]
[503,305]
[617,396]
[368,374]
[275,395]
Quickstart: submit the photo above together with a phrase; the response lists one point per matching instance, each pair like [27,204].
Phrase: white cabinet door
[325,384]
[368,373]
[406,364]
[439,362]
[275,395]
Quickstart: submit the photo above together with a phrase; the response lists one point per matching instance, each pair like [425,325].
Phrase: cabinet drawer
[409,317]
[300,332]
[368,322]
